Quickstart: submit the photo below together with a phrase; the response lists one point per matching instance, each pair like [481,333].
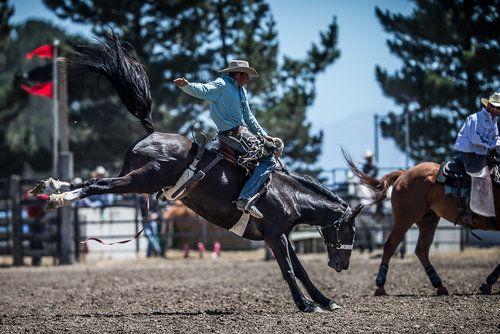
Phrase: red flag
[43,89]
[44,51]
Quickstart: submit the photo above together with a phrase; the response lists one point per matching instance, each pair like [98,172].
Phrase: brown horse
[417,198]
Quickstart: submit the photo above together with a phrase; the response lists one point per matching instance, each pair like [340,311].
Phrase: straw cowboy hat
[240,66]
[494,100]
[368,154]
[99,171]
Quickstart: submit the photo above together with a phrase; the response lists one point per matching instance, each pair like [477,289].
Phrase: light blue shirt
[479,134]
[228,103]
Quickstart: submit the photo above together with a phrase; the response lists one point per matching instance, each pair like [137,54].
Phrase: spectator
[36,213]
[369,166]
[151,230]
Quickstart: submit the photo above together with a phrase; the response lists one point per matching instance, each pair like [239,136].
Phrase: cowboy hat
[240,66]
[494,100]
[99,171]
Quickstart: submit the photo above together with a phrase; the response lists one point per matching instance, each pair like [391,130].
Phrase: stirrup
[247,207]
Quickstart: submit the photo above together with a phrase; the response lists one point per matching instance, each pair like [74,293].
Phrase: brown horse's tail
[380,186]
[123,70]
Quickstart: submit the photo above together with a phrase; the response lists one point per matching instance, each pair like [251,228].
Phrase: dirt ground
[242,293]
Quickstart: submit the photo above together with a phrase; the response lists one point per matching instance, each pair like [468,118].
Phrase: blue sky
[348,95]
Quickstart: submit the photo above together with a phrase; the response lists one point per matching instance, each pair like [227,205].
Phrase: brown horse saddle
[453,174]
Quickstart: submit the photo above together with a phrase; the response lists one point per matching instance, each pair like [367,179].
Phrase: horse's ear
[357,210]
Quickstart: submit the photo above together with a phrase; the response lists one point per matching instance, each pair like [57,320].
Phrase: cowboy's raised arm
[209,91]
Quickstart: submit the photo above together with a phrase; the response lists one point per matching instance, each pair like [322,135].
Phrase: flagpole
[55,109]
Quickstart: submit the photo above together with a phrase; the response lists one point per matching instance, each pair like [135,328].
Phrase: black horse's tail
[123,70]
[380,186]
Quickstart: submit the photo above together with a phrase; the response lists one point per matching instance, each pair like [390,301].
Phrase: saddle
[453,174]
[245,149]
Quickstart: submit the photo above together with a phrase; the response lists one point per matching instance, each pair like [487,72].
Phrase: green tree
[193,38]
[451,58]
[10,160]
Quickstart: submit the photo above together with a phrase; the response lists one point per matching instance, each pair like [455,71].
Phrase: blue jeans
[259,177]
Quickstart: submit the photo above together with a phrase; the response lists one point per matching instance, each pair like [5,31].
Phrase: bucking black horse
[158,160]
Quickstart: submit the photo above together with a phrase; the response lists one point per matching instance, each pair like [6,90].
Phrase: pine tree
[10,160]
[451,58]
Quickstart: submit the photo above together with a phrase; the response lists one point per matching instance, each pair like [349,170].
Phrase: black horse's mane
[316,186]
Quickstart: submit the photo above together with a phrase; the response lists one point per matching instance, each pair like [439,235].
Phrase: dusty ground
[241,293]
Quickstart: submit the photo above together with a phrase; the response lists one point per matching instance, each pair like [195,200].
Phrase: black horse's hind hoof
[39,189]
[331,306]
[485,289]
[380,291]
[442,291]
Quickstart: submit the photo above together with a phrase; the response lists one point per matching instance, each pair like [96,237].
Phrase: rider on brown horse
[229,110]
[477,137]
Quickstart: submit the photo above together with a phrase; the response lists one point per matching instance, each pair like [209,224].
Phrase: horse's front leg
[302,275]
[485,288]
[279,247]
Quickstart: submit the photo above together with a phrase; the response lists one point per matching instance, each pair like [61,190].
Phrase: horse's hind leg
[485,288]
[279,247]
[302,275]
[49,187]
[143,180]
[427,228]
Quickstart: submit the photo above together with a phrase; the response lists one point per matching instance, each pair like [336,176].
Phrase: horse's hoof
[331,306]
[54,202]
[39,189]
[485,289]
[48,187]
[442,291]
[380,291]
[311,308]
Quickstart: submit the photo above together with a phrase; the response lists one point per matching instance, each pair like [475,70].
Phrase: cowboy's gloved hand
[278,143]
[181,82]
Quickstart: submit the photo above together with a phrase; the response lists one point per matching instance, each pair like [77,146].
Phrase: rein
[337,224]
[123,241]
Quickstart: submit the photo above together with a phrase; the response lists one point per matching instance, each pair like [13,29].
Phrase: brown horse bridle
[337,224]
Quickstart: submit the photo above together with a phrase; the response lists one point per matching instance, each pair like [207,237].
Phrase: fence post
[66,226]
[462,238]
[138,208]
[77,234]
[15,218]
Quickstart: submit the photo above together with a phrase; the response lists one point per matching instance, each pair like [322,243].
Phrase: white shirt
[479,134]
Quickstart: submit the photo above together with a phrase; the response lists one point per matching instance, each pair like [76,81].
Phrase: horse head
[339,238]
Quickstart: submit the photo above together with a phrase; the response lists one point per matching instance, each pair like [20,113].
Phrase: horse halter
[337,224]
